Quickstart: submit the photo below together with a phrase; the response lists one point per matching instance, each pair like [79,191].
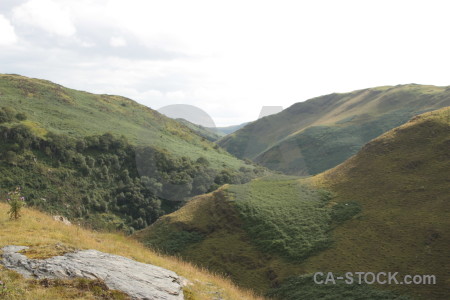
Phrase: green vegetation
[47,237]
[313,136]
[281,215]
[103,180]
[51,107]
[284,216]
[15,202]
[386,210]
[304,288]
[8,114]
[173,242]
[224,246]
[341,212]
[401,181]
[211,134]
[257,233]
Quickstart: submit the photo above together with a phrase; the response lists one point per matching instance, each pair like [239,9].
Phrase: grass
[47,237]
[388,212]
[211,134]
[15,287]
[103,180]
[51,107]
[284,216]
[304,288]
[401,180]
[225,246]
[256,233]
[313,136]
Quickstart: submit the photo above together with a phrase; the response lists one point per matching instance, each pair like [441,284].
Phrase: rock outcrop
[138,280]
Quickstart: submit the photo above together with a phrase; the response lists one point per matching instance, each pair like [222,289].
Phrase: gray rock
[138,280]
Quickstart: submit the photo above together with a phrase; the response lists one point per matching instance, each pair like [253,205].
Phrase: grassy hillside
[102,180]
[313,136]
[210,231]
[51,107]
[211,134]
[89,157]
[385,209]
[257,233]
[47,238]
[402,181]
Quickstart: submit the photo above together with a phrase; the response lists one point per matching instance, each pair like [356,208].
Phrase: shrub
[16,202]
[342,212]
[21,116]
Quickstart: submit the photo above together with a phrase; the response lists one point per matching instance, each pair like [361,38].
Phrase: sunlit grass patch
[47,237]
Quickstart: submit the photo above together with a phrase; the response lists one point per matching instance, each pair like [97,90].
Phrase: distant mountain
[229,129]
[208,133]
[313,136]
[384,209]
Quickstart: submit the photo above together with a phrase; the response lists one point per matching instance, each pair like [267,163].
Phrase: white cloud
[117,41]
[48,15]
[229,58]
[7,34]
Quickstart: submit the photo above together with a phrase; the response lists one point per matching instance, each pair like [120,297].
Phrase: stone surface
[138,280]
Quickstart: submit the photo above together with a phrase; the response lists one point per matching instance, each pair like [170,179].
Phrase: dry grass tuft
[47,237]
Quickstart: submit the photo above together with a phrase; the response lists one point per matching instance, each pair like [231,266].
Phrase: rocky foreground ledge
[138,280]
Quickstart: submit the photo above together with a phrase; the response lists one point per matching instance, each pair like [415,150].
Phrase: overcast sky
[229,58]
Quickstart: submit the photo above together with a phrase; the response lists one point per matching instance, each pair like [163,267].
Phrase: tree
[16,202]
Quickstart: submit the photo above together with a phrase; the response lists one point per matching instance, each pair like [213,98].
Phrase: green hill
[385,209]
[211,134]
[402,182]
[88,158]
[51,107]
[313,136]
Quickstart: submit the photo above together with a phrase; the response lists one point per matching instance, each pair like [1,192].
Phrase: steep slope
[88,158]
[313,136]
[402,181]
[388,211]
[229,129]
[248,232]
[51,107]
[211,134]
[47,238]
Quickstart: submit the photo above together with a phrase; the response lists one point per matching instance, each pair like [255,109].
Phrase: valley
[340,183]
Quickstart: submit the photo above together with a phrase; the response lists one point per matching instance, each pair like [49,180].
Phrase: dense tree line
[104,179]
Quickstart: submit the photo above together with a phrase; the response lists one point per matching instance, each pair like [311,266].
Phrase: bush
[7,114]
[342,212]
[21,116]
[284,216]
[16,202]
